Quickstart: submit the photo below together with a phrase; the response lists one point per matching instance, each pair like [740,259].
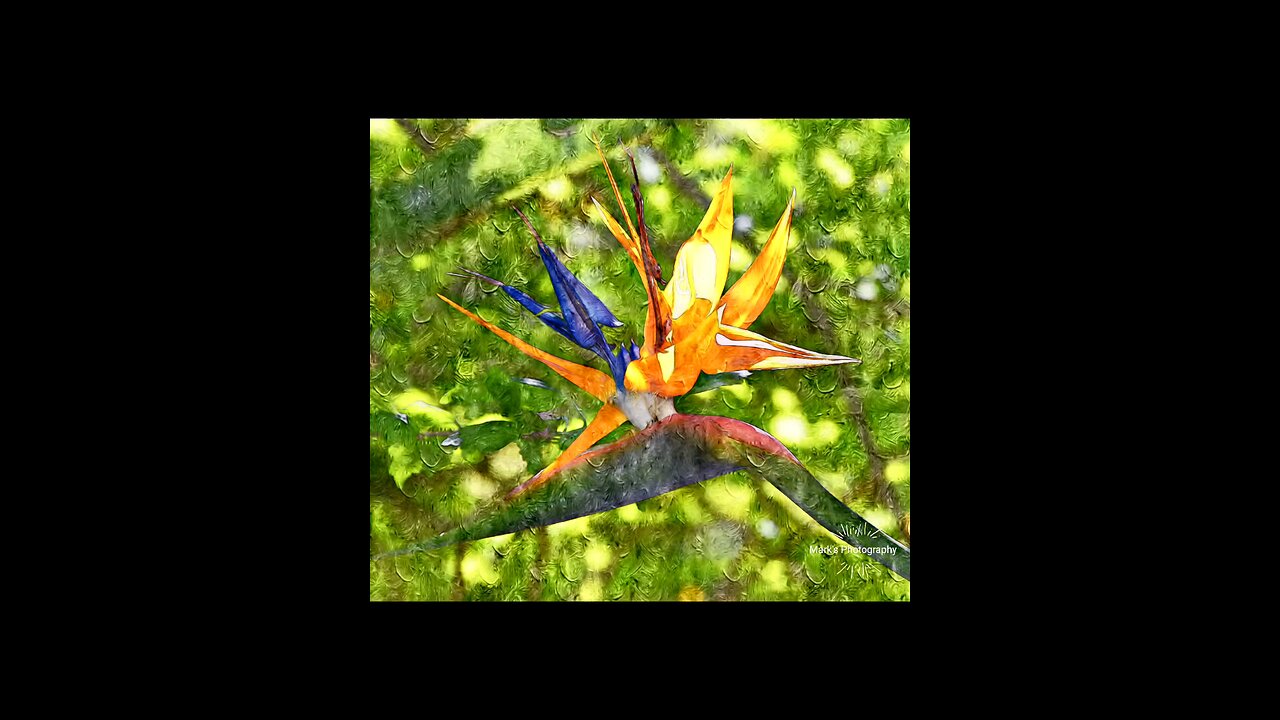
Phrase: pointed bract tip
[529,224]
[473,273]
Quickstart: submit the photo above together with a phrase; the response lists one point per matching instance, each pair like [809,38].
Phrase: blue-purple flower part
[581,312]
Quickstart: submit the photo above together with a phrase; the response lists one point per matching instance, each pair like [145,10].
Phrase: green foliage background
[450,426]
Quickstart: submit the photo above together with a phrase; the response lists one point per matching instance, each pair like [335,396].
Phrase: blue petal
[584,331]
[628,355]
[542,312]
[571,294]
[595,309]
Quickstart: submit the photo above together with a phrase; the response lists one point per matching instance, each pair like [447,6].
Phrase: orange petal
[593,381]
[702,264]
[748,297]
[737,349]
[625,215]
[673,371]
[605,422]
[635,253]
[659,316]
[633,250]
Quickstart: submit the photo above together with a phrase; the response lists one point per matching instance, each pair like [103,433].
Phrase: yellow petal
[593,381]
[702,264]
[737,349]
[693,278]
[748,297]
[605,422]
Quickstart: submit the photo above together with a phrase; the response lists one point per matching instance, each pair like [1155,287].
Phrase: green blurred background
[452,425]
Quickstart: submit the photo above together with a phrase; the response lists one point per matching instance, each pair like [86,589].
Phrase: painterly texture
[458,417]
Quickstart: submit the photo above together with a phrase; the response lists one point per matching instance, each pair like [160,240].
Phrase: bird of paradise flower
[692,327]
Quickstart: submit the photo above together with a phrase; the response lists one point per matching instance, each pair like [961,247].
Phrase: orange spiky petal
[658,320]
[633,250]
[637,259]
[598,384]
[659,309]
[605,422]
[616,193]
